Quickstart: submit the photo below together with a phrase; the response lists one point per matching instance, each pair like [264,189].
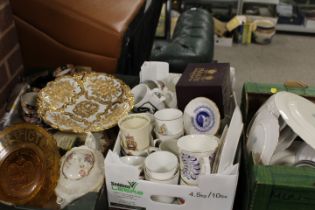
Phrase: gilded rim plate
[84,102]
[29,165]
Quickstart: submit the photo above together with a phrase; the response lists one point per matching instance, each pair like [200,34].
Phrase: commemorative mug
[169,121]
[146,99]
[196,153]
[135,132]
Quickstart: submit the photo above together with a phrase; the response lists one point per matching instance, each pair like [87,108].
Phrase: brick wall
[10,57]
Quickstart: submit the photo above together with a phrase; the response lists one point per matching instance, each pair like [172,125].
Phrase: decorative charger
[84,102]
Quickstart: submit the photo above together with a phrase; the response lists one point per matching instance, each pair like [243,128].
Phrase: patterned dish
[81,171]
[29,165]
[84,102]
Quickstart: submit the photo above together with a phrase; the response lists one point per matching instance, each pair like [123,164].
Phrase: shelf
[294,28]
[262,1]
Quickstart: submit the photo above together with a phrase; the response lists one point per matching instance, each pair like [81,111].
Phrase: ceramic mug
[168,137]
[169,97]
[135,132]
[28,102]
[196,155]
[169,121]
[154,70]
[146,99]
[143,153]
[161,165]
[169,145]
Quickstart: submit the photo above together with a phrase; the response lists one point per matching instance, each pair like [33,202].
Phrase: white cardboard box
[223,41]
[125,190]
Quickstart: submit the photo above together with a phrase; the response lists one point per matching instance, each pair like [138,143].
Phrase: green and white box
[273,187]
[126,190]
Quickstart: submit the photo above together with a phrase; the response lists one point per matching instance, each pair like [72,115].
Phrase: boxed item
[127,189]
[210,80]
[274,187]
[223,41]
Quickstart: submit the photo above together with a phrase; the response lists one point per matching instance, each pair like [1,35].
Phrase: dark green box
[273,187]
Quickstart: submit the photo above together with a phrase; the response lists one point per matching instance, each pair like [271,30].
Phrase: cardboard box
[223,41]
[127,191]
[273,187]
[210,80]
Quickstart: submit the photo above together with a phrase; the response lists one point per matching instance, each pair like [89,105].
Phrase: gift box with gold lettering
[210,80]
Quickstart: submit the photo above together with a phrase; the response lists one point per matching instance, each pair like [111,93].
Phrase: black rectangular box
[210,80]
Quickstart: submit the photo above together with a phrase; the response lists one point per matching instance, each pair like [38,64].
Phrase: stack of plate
[277,123]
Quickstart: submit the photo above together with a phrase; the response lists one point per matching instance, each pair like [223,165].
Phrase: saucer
[201,115]
[299,114]
[263,138]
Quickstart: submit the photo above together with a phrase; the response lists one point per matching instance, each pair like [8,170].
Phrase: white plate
[201,115]
[263,138]
[299,114]
[231,140]
[286,138]
[268,107]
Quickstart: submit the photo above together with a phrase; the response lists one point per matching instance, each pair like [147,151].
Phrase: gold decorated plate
[83,102]
[29,165]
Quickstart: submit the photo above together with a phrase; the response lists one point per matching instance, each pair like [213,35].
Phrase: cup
[161,165]
[143,153]
[154,84]
[135,132]
[146,99]
[169,96]
[137,161]
[168,137]
[28,103]
[169,121]
[196,153]
[169,145]
[154,70]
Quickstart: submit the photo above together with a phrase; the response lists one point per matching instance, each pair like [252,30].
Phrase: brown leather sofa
[97,33]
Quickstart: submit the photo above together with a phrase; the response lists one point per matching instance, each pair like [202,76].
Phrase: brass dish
[29,165]
[84,102]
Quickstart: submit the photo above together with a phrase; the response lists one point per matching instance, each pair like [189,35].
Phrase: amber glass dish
[29,165]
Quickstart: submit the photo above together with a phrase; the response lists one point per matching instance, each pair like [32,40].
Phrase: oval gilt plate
[84,102]
[29,165]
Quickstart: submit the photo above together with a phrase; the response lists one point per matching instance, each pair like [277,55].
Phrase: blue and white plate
[201,116]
